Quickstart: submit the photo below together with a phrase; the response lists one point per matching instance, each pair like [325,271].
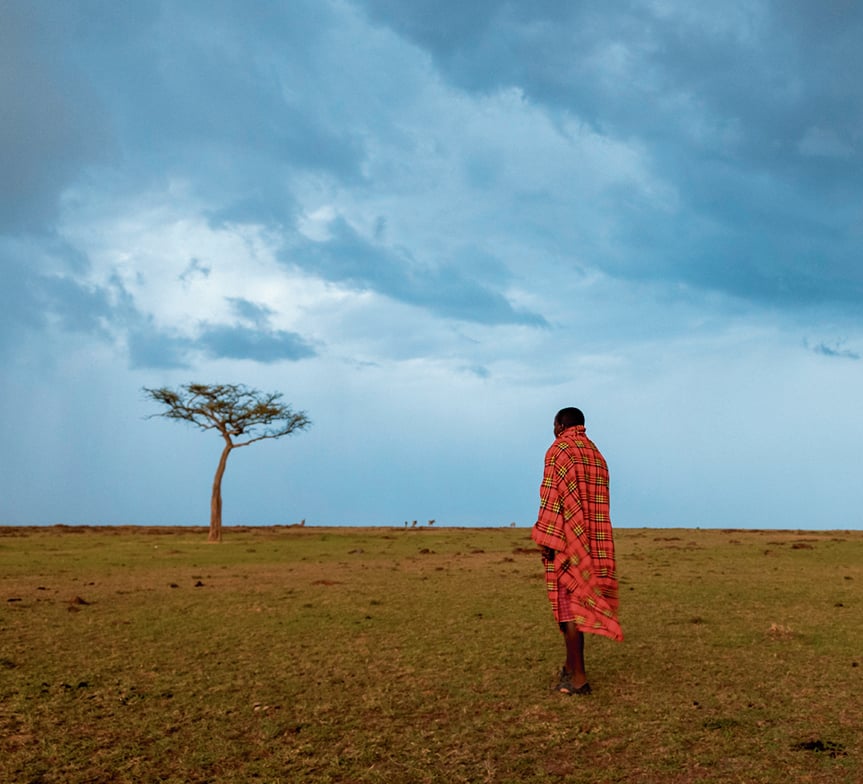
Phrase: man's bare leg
[574,639]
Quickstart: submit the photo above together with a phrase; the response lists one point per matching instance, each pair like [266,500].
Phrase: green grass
[425,655]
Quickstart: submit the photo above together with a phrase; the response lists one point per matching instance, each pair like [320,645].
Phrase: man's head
[567,417]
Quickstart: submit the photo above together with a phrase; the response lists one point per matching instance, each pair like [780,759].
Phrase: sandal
[565,685]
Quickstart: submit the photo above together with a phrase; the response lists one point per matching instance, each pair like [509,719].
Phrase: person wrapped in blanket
[573,530]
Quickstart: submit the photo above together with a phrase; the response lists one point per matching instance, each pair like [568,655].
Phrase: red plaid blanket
[574,521]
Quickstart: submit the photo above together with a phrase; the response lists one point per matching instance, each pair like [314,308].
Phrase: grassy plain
[422,655]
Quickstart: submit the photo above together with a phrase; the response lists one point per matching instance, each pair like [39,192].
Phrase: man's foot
[583,690]
[567,687]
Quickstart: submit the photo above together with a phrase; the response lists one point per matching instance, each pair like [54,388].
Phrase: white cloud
[315,224]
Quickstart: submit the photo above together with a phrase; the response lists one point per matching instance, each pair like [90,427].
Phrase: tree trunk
[216,499]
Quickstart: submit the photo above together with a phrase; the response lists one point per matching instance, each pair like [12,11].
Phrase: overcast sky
[432,224]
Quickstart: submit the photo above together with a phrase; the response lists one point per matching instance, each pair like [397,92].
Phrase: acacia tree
[234,411]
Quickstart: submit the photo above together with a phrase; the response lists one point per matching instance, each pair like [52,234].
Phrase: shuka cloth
[574,521]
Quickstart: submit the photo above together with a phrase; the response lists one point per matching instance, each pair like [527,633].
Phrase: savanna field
[301,654]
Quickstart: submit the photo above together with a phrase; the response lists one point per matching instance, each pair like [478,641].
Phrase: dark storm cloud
[32,301]
[237,342]
[49,129]
[778,68]
[259,315]
[150,347]
[751,114]
[254,340]
[219,90]
[207,91]
[447,288]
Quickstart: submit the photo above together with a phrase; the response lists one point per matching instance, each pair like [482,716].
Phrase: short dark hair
[569,417]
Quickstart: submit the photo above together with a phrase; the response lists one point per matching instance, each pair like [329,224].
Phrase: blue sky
[432,225]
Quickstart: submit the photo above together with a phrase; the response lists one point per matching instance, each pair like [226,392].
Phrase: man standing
[574,531]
